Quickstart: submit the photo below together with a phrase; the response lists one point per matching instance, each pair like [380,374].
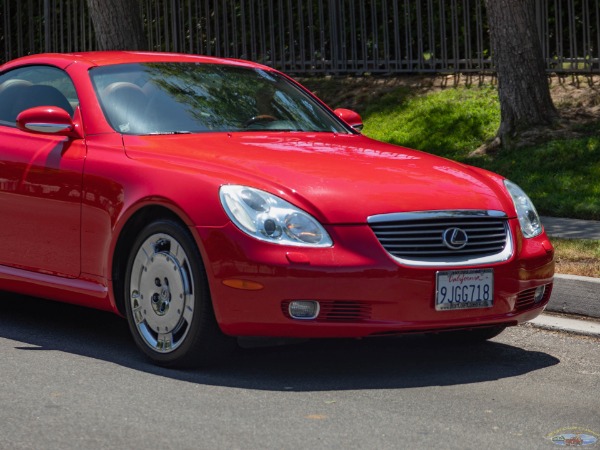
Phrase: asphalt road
[71,378]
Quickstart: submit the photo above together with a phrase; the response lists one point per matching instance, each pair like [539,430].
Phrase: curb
[566,324]
[574,294]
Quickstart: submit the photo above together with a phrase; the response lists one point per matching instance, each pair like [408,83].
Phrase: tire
[473,336]
[167,299]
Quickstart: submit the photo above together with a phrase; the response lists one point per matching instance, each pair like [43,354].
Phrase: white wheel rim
[162,293]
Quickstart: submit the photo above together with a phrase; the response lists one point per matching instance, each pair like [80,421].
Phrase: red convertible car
[206,199]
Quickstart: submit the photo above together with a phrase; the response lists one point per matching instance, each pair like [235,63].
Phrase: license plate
[464,289]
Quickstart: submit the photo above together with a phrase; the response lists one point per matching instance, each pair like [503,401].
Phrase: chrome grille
[426,238]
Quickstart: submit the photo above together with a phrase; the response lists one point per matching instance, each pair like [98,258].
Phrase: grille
[338,311]
[420,237]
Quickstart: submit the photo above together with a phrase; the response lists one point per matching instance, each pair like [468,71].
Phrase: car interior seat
[20,95]
[125,106]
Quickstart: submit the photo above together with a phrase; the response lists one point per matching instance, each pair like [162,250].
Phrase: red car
[205,199]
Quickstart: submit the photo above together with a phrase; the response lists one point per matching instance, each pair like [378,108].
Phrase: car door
[40,177]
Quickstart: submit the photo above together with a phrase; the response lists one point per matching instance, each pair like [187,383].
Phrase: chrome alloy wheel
[161,291]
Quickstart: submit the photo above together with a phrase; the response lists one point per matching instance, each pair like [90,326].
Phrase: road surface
[71,378]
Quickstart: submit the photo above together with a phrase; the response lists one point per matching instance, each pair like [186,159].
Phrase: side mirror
[46,120]
[350,117]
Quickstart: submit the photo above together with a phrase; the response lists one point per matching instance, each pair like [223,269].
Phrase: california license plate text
[464,289]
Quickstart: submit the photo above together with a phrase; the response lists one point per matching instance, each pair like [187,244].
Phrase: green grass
[562,176]
[451,122]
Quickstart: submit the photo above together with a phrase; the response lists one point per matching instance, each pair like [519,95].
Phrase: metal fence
[339,36]
[317,36]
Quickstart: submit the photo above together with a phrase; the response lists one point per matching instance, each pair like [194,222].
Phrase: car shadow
[318,365]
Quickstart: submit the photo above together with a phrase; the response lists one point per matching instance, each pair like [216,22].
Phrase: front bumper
[361,289]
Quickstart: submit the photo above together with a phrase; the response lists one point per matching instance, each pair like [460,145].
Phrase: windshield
[165,98]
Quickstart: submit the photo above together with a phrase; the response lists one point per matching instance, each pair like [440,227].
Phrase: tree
[525,101]
[118,24]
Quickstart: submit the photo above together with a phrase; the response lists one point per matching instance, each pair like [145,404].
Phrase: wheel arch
[126,238]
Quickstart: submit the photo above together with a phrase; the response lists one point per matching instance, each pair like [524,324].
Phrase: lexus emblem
[455,238]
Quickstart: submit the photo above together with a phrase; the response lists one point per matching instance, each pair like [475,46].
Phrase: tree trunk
[525,100]
[118,24]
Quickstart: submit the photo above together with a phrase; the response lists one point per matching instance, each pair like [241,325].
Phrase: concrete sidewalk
[571,228]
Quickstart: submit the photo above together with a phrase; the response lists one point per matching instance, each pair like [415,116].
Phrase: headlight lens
[528,216]
[270,218]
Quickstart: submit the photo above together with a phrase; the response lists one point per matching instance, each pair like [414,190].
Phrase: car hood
[337,178]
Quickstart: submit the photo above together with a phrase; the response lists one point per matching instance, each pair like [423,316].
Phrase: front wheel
[167,299]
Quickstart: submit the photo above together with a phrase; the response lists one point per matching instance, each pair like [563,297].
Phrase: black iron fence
[317,36]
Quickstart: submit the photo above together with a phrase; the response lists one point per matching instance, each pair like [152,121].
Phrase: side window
[27,87]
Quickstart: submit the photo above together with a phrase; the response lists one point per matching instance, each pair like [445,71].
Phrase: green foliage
[562,177]
[451,122]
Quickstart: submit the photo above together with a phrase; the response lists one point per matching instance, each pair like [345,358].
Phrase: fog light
[303,309]
[539,294]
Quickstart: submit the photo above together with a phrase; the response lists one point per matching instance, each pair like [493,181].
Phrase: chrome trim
[48,127]
[439,214]
[451,239]
[456,261]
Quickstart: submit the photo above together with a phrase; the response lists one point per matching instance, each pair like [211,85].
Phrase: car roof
[106,58]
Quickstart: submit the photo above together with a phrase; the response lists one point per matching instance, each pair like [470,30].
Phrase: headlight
[528,216]
[270,218]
